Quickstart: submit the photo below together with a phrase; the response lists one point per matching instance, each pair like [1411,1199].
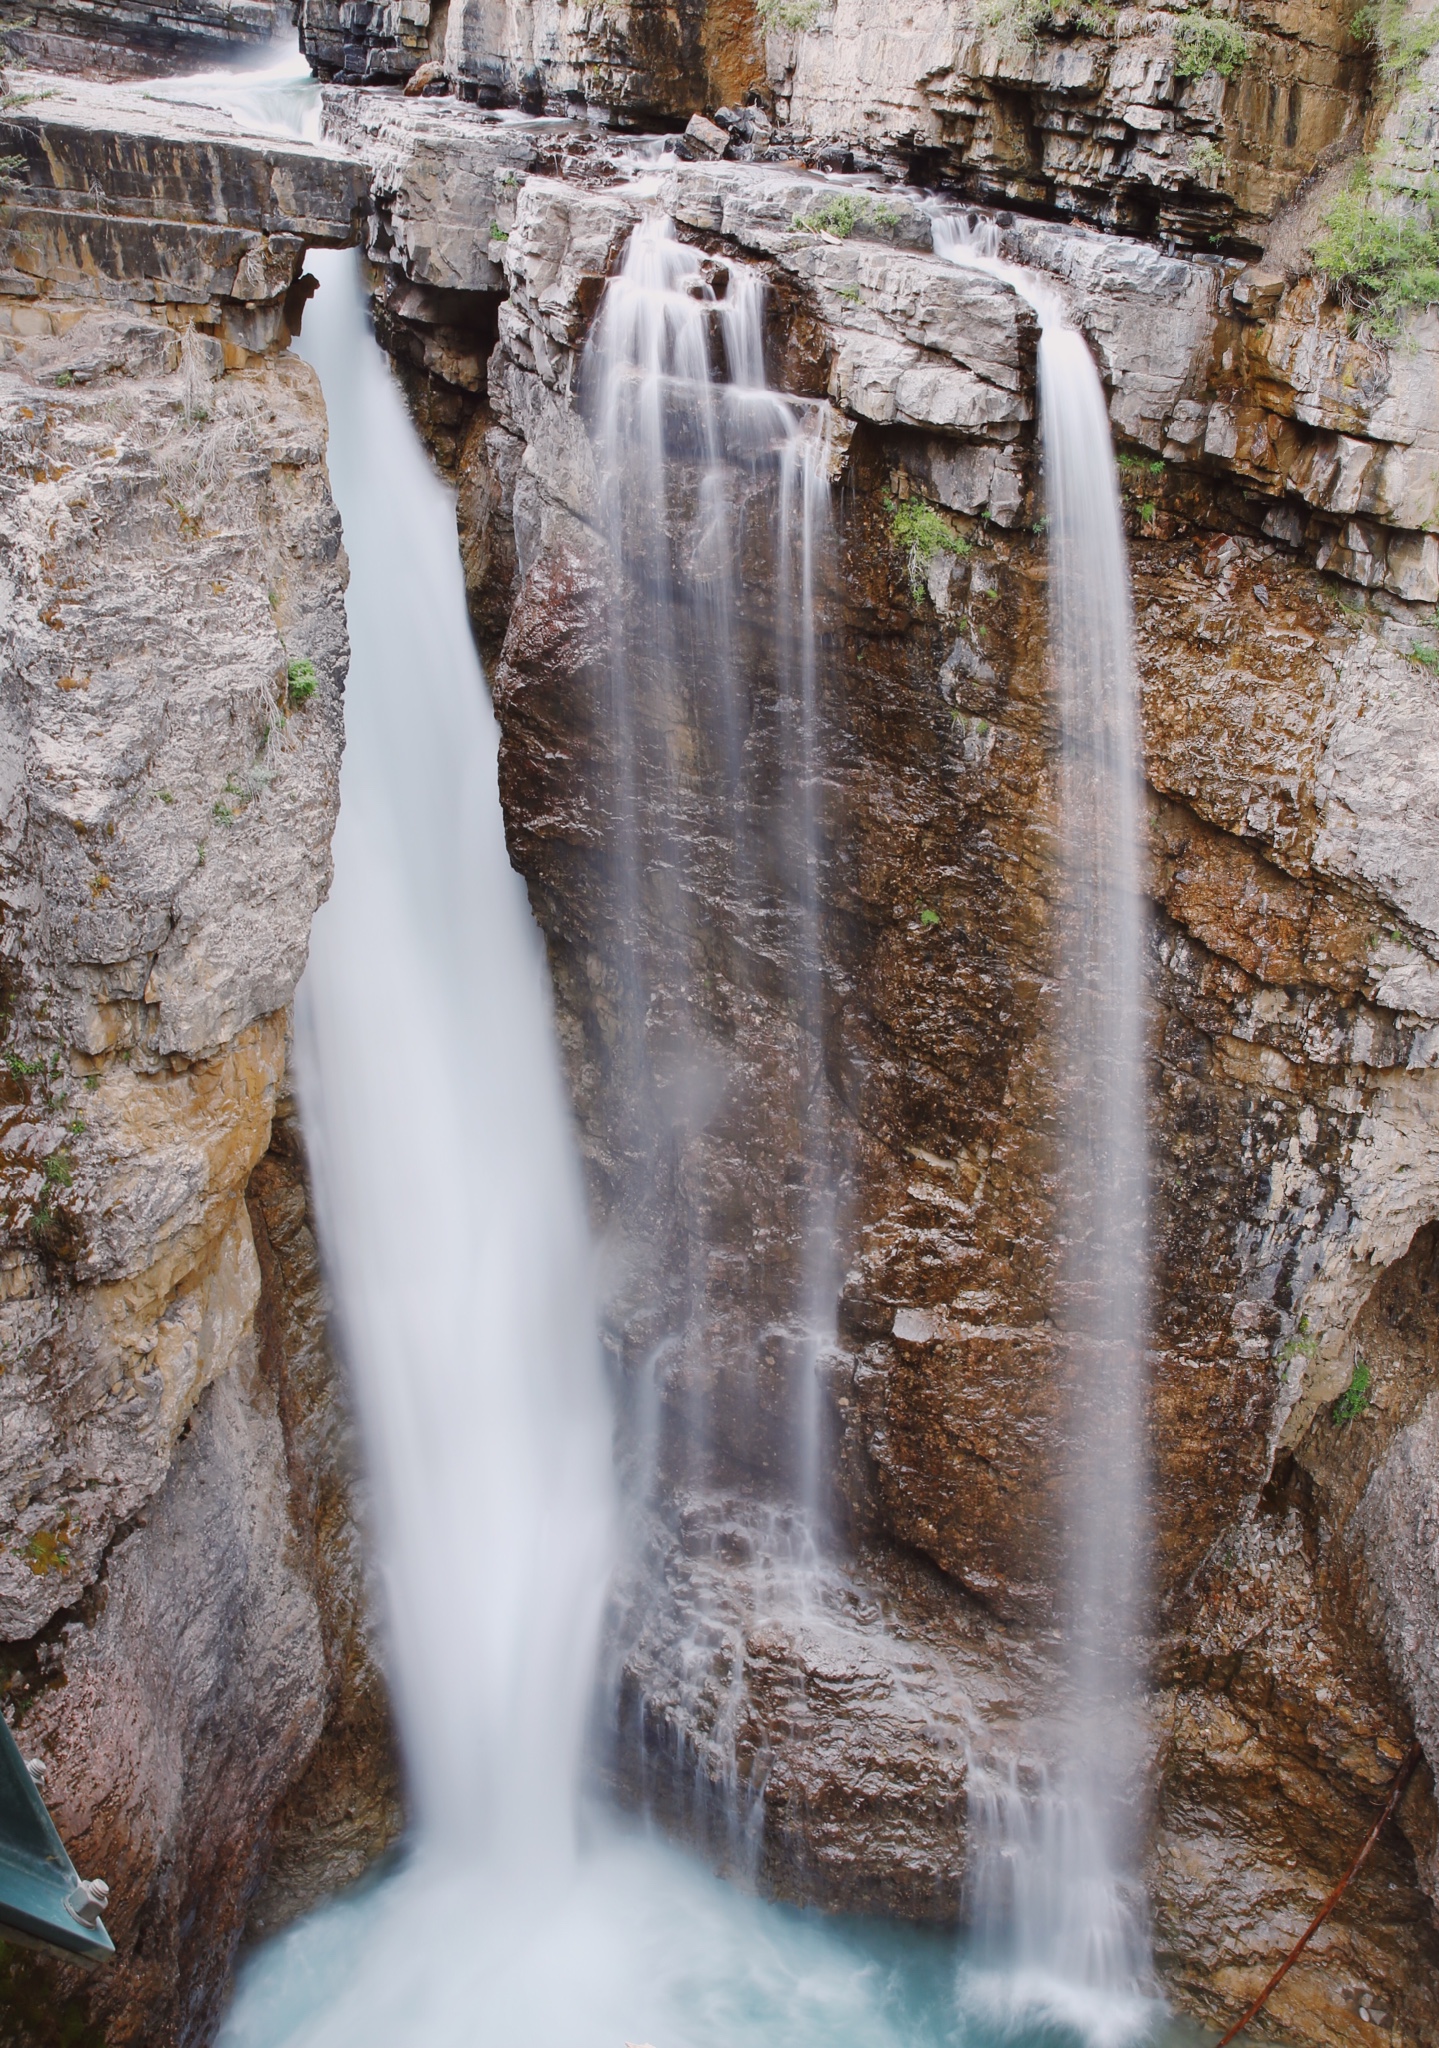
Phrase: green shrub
[918,529]
[1378,248]
[1206,42]
[302,681]
[1401,44]
[58,1171]
[844,212]
[798,15]
[1355,1398]
[1426,656]
[1028,20]
[1207,161]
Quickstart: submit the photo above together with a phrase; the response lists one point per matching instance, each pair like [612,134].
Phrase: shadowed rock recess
[183,1602]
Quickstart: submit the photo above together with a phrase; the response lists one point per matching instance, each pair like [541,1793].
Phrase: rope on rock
[1396,1792]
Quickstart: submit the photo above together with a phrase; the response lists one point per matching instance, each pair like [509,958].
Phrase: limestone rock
[116,39]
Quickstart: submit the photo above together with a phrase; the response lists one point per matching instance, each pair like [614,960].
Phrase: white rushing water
[1058,1891]
[451,1220]
[716,502]
[448,1202]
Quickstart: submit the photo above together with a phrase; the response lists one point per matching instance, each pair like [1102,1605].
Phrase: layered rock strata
[1288,720]
[1177,122]
[179,1593]
[130,39]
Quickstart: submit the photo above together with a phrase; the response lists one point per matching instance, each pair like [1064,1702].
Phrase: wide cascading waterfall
[1056,1886]
[716,500]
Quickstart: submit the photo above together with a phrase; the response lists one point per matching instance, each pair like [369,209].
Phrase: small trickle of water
[1055,1879]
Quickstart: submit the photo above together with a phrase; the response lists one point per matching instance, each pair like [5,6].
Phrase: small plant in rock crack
[846,211]
[798,15]
[929,918]
[1303,1344]
[1208,161]
[48,1550]
[1426,656]
[301,681]
[58,1169]
[918,529]
[1355,1398]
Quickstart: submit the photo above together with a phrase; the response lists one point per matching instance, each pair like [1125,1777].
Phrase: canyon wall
[182,1610]
[130,39]
[1278,461]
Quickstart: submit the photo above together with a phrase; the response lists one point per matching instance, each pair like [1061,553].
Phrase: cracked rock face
[1294,1096]
[174,1638]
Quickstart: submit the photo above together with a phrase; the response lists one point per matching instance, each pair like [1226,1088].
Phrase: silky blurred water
[452,1224]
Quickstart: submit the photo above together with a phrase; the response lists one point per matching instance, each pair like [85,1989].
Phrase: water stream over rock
[1057,1881]
[451,1214]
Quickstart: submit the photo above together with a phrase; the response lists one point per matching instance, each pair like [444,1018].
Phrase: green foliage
[1378,248]
[1426,656]
[842,213]
[497,233]
[1400,43]
[918,529]
[849,292]
[11,166]
[928,917]
[1355,1398]
[92,1082]
[23,1070]
[65,377]
[798,15]
[1206,42]
[302,681]
[58,1170]
[165,797]
[1207,161]
[1301,1345]
[76,1127]
[1026,21]
[225,815]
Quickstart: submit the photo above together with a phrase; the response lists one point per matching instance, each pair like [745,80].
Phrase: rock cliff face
[1279,475]
[130,39]
[180,1605]
[1176,121]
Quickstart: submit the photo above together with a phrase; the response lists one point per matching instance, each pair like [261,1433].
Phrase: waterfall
[450,1215]
[450,1218]
[712,723]
[1056,1884]
[715,495]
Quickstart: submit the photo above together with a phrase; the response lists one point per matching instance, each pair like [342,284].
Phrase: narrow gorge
[794,1386]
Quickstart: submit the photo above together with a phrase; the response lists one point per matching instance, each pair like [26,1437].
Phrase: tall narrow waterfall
[1057,1883]
[445,1178]
[716,498]
[709,480]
